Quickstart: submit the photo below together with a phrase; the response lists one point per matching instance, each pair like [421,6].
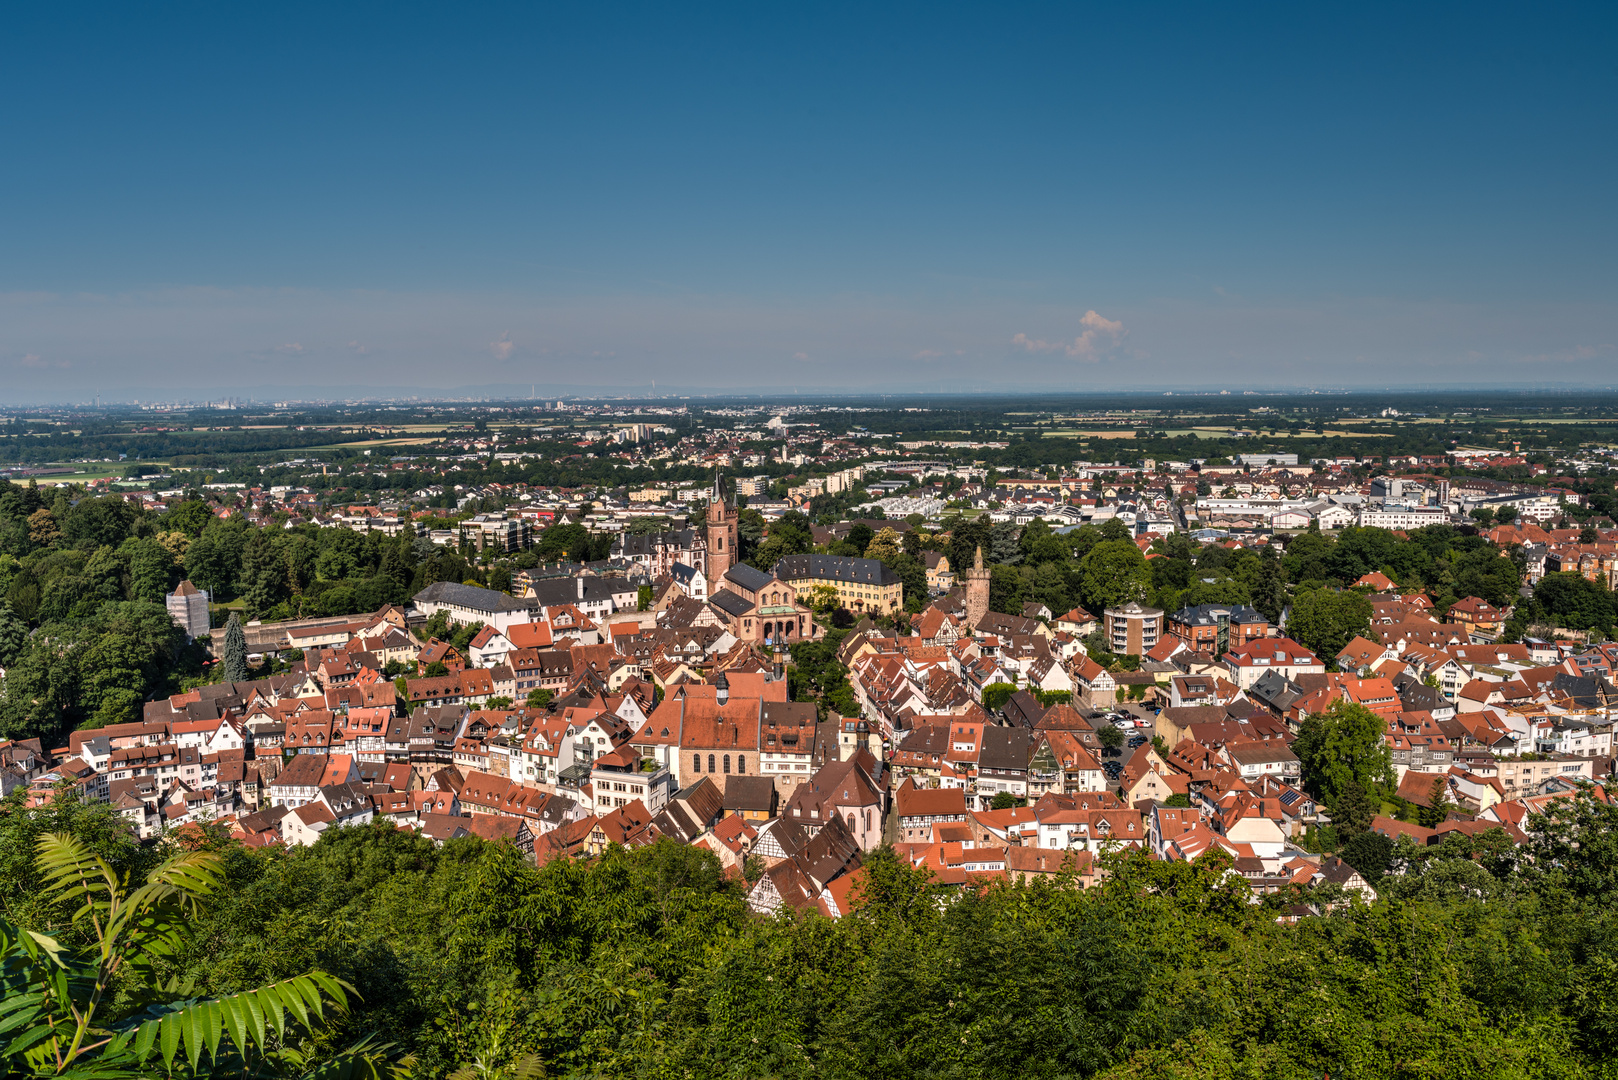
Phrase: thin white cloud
[503,348]
[34,360]
[800,356]
[927,354]
[1087,346]
[359,349]
[292,348]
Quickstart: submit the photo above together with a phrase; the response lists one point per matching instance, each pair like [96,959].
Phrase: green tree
[1353,811]
[1110,737]
[151,569]
[1325,620]
[1113,573]
[1439,804]
[884,547]
[263,574]
[190,517]
[99,521]
[537,699]
[91,670]
[996,694]
[1113,529]
[791,534]
[13,636]
[102,1010]
[1342,745]
[1007,588]
[42,530]
[213,561]
[235,651]
[822,600]
[1570,600]
[1370,853]
[1573,846]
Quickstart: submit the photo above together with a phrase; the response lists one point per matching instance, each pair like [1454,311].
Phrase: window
[710,763]
[727,763]
[696,762]
[741,763]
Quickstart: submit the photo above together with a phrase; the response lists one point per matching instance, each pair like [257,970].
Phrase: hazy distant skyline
[823,198]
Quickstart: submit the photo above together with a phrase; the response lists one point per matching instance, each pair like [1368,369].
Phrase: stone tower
[977,592]
[721,537]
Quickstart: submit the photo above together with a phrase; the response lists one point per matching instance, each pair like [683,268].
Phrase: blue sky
[829,196]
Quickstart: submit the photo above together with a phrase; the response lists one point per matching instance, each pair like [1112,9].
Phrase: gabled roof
[731,603]
[748,577]
[913,801]
[835,568]
[471,598]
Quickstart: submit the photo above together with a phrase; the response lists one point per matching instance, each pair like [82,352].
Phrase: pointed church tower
[721,536]
[977,592]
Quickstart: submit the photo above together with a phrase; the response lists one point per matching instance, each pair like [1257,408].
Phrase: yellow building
[862,584]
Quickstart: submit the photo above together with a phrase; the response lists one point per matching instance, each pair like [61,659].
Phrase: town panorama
[1216,734]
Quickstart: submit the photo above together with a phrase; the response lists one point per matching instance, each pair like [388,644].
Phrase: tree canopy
[649,962]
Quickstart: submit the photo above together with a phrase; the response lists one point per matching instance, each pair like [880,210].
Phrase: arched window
[696,762]
[727,763]
[710,763]
[741,763]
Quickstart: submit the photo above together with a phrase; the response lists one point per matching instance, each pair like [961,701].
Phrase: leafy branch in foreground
[102,1011]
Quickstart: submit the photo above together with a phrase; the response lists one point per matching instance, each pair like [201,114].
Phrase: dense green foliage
[84,635]
[85,994]
[1473,964]
[1341,746]
[1096,567]
[94,670]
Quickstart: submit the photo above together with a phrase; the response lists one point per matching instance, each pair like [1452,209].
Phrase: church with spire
[722,535]
[754,605]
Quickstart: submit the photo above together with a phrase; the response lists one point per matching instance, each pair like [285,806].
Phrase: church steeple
[721,535]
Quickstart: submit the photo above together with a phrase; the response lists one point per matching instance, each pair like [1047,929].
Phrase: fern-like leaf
[244,1019]
[72,872]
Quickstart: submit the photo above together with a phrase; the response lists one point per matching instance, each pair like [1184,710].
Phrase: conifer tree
[235,650]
